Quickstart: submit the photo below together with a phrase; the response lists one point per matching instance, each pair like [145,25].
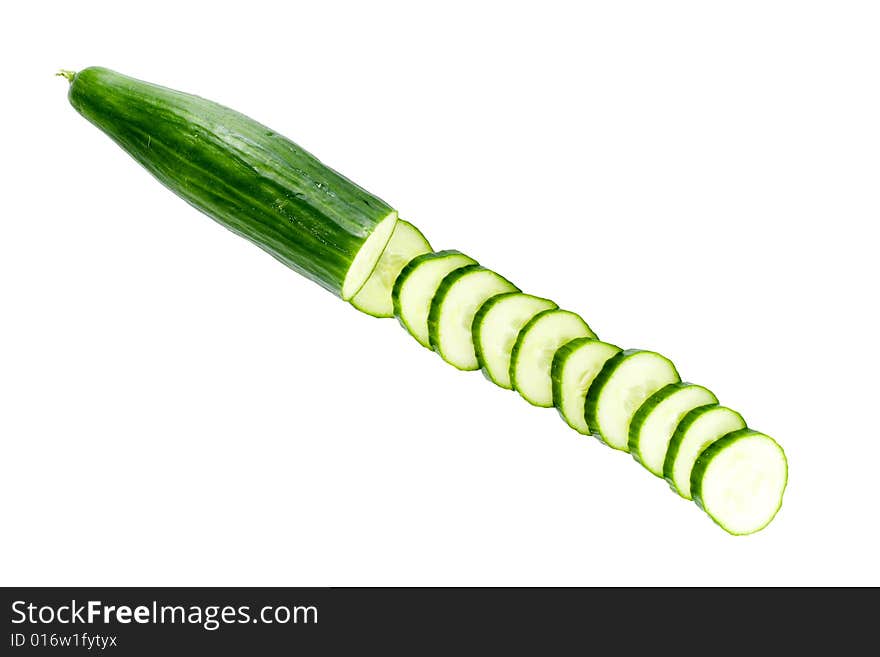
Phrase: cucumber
[533,351]
[406,243]
[496,326]
[621,387]
[245,176]
[575,365]
[656,420]
[415,288]
[739,480]
[695,432]
[456,302]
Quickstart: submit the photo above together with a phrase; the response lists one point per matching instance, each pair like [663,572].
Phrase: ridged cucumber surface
[243,175]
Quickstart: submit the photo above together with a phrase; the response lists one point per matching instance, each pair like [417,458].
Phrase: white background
[697,178]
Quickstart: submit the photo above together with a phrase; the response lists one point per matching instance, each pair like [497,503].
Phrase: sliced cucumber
[415,287]
[625,382]
[695,432]
[656,420]
[533,351]
[406,242]
[739,481]
[496,326]
[575,365]
[456,302]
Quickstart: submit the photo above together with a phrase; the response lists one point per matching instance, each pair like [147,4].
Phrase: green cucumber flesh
[456,302]
[534,349]
[739,480]
[695,432]
[406,242]
[245,176]
[575,365]
[416,285]
[654,423]
[496,327]
[621,387]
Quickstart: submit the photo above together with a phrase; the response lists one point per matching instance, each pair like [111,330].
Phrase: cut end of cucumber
[367,257]
[740,480]
[406,243]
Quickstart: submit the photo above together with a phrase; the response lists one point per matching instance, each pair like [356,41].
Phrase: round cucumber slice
[496,326]
[695,432]
[533,351]
[415,288]
[623,385]
[451,317]
[739,480]
[656,420]
[575,366]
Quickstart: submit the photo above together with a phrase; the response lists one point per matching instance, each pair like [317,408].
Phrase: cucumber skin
[705,458]
[558,364]
[649,405]
[591,403]
[475,332]
[256,183]
[404,274]
[434,314]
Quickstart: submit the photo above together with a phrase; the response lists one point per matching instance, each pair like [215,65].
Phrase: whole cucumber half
[243,175]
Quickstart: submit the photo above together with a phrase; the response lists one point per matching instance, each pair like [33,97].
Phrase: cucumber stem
[66,74]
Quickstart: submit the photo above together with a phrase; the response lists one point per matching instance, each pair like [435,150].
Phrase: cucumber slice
[575,365]
[533,351]
[623,385]
[406,242]
[656,420]
[415,287]
[739,481]
[695,432]
[496,326]
[456,302]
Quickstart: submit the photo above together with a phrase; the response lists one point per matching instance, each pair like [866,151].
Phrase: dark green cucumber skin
[635,426]
[476,330]
[406,271]
[705,458]
[245,176]
[678,436]
[593,394]
[556,368]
